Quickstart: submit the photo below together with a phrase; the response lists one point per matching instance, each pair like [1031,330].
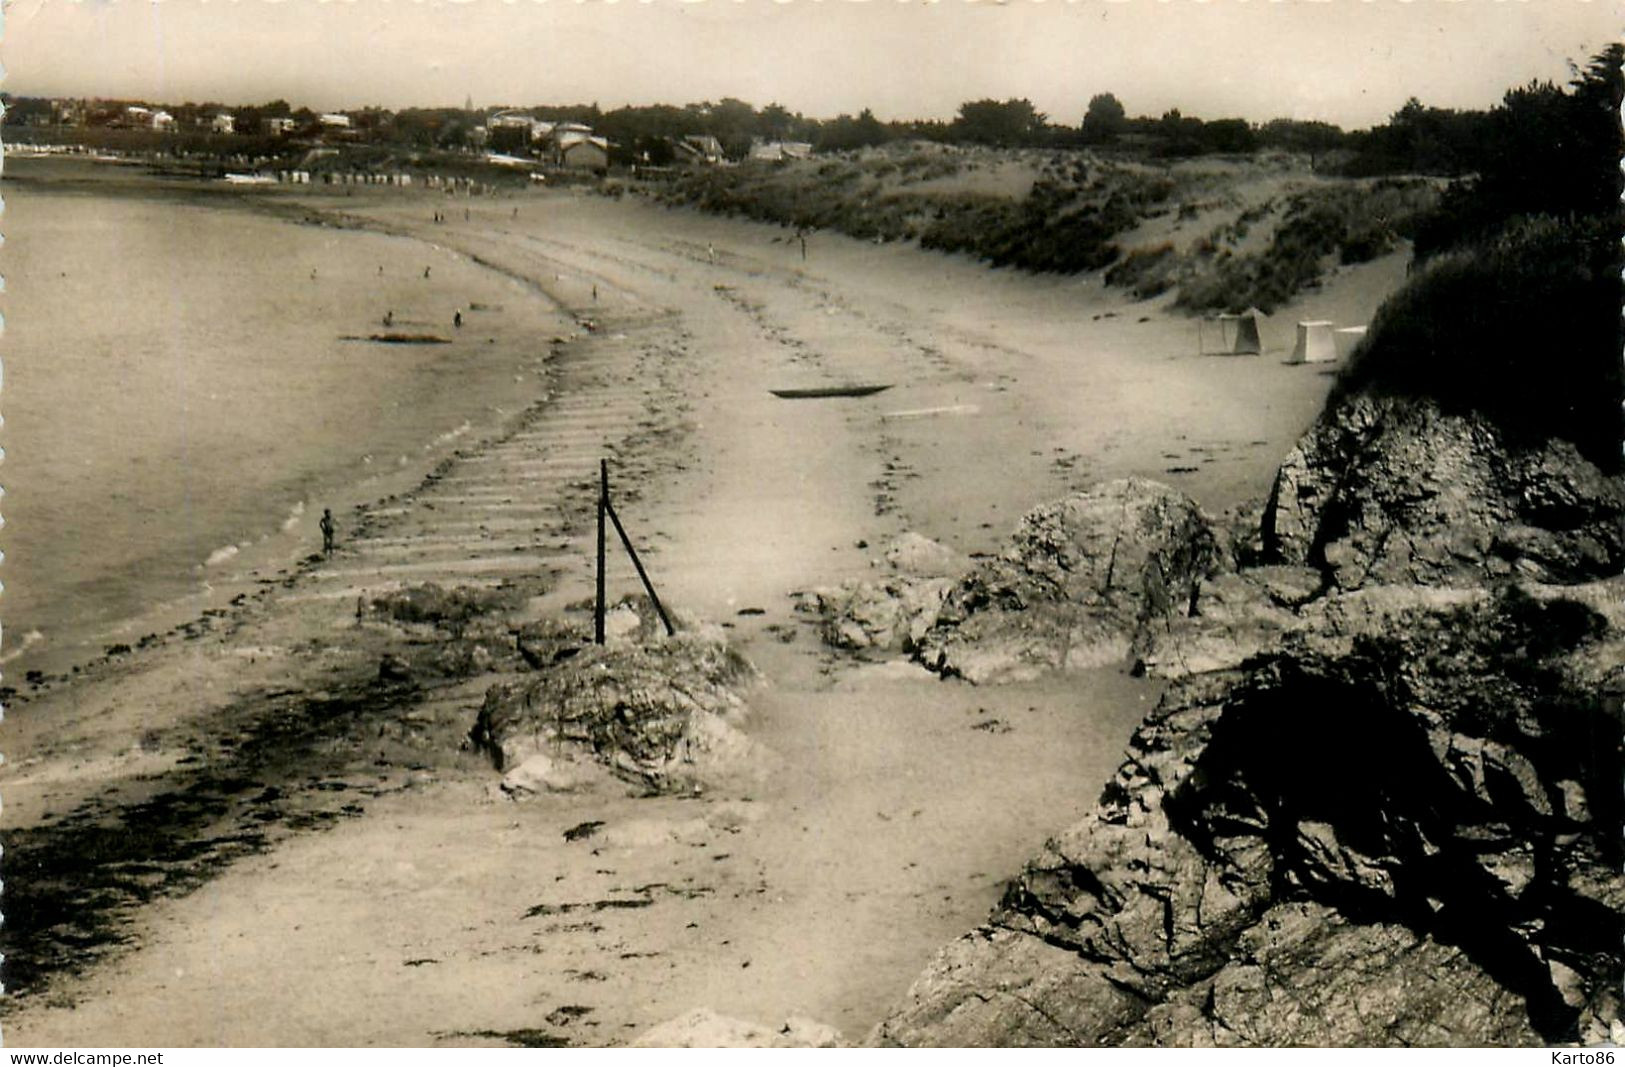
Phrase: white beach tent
[1347,338]
[1247,341]
[1315,343]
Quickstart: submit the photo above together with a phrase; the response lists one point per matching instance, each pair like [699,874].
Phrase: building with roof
[699,148]
[586,152]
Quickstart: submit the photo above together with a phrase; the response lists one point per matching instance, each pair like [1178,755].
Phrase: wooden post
[648,586]
[603,506]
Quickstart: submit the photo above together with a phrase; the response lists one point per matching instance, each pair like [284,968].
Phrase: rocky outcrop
[892,611]
[1387,491]
[1082,582]
[663,712]
[1399,826]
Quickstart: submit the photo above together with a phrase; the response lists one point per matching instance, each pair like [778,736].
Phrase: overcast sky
[1347,61]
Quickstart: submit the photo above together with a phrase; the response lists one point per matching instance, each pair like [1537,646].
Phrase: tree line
[1416,139]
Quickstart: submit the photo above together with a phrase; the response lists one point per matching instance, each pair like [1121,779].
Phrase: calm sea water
[179,402]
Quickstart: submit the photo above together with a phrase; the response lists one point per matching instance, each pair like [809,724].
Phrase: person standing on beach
[425,272]
[327,529]
[457,319]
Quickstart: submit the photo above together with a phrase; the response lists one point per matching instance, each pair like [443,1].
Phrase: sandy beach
[250,874]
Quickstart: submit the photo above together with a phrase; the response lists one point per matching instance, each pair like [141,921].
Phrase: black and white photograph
[812,524]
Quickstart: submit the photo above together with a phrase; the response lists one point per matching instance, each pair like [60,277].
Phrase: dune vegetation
[1513,310]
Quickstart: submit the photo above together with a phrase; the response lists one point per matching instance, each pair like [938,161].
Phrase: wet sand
[390,898]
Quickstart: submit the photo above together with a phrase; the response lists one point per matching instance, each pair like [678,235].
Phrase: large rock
[1237,616]
[1304,974]
[892,611]
[664,713]
[1399,826]
[1083,581]
[1385,491]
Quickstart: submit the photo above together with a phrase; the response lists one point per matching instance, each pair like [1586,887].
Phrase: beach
[334,885]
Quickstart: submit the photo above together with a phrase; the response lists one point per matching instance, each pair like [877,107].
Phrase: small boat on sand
[819,392]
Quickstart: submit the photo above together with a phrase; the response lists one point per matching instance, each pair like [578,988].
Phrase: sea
[187,384]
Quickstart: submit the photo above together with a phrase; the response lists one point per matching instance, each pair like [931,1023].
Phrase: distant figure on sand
[457,319]
[425,272]
[327,531]
[389,318]
[595,294]
[711,252]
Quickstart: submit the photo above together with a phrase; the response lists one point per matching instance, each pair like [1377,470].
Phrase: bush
[1356,222]
[1146,272]
[1523,328]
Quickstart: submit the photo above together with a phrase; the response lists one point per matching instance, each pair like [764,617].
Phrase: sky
[1352,62]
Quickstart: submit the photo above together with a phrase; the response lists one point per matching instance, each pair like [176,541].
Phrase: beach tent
[1315,343]
[1347,338]
[1247,341]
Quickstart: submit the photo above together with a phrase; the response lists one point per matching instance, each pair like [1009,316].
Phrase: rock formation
[1380,802]
[663,712]
[1416,812]
[1386,491]
[1081,580]
[892,611]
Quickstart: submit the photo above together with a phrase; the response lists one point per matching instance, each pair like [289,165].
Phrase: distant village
[507,136]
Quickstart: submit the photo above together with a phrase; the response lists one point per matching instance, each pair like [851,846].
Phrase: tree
[1104,120]
[1294,135]
[732,122]
[1012,122]
[845,133]
[775,122]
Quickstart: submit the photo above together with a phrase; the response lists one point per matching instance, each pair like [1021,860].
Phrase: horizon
[1225,59]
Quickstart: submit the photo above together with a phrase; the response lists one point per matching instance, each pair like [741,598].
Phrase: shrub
[1523,328]
[1146,272]
[1357,222]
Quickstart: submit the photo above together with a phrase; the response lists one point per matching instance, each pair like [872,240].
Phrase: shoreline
[255,560]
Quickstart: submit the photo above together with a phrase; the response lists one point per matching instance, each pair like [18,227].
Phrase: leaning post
[643,575]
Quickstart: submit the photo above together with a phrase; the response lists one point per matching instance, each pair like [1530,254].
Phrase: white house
[223,123]
[335,120]
[163,121]
[277,126]
[700,148]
